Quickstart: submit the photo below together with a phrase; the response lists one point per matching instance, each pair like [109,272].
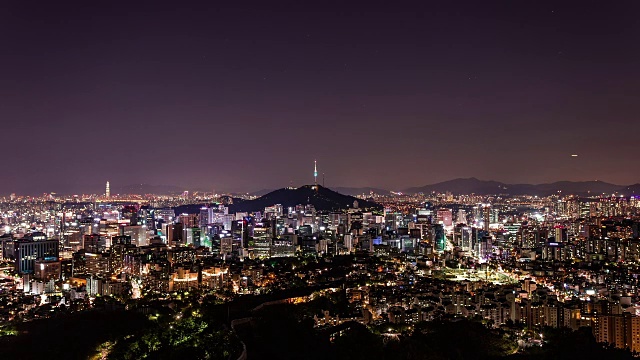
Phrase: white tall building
[107,191]
[462,217]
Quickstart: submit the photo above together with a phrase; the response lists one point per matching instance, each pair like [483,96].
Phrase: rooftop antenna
[322,179]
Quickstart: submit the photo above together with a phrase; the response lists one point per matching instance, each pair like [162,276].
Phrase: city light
[212,180]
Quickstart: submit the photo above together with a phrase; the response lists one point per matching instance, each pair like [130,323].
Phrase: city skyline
[457,183]
[320,180]
[528,272]
[218,96]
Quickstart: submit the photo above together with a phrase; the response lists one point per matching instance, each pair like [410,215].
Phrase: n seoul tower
[315,172]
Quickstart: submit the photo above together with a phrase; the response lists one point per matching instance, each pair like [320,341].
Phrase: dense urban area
[320,180]
[308,272]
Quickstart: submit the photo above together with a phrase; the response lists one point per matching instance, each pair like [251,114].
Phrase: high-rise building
[47,270]
[107,192]
[26,251]
[620,330]
[486,212]
[177,237]
[462,217]
[167,232]
[226,244]
[633,334]
[130,213]
[348,243]
[464,237]
[484,247]
[193,236]
[98,264]
[138,234]
[94,243]
[120,247]
[203,218]
[164,215]
[439,239]
[445,217]
[261,242]
[188,220]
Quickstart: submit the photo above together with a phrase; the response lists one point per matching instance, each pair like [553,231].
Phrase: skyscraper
[439,239]
[486,212]
[203,218]
[26,251]
[462,217]
[94,243]
[445,217]
[107,191]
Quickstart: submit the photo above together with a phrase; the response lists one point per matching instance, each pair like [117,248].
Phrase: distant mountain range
[142,189]
[320,197]
[631,189]
[483,187]
[361,190]
[456,186]
[324,198]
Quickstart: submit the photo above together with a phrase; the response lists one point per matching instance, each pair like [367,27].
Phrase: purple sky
[381,94]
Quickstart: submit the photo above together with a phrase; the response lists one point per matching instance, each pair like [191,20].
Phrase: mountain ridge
[456,186]
[490,187]
[365,190]
[320,197]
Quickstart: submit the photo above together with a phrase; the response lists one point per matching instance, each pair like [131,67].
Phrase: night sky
[244,96]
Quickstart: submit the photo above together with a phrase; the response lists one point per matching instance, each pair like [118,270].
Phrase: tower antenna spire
[315,172]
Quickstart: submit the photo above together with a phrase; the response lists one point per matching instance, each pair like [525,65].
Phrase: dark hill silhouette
[462,186]
[631,190]
[483,187]
[578,187]
[320,197]
[261,192]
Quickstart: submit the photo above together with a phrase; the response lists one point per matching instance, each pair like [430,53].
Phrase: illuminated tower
[107,192]
[315,172]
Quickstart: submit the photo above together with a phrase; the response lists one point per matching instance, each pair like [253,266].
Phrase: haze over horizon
[116,188]
[245,97]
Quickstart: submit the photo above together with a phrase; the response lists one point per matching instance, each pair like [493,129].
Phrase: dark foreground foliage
[279,332]
[189,338]
[72,336]
[562,344]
